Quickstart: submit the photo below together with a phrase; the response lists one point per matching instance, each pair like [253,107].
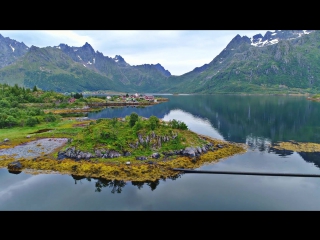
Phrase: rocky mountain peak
[271,38]
[161,69]
[238,40]
[120,60]
[11,49]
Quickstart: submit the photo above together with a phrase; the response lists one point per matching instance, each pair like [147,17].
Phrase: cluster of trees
[12,117]
[12,114]
[153,122]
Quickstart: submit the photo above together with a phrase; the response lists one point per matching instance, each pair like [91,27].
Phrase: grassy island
[131,148]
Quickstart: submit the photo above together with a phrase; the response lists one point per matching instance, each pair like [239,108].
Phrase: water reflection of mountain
[311,157]
[279,118]
[118,185]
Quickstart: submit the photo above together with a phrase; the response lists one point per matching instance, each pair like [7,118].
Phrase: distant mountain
[50,69]
[10,50]
[278,62]
[138,78]
[283,61]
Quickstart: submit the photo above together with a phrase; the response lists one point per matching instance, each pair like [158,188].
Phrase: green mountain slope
[51,69]
[284,61]
[289,66]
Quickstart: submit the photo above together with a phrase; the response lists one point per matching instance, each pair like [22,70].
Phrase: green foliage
[114,121]
[154,122]
[177,124]
[133,119]
[50,117]
[31,121]
[11,121]
[78,95]
[138,125]
[4,104]
[110,134]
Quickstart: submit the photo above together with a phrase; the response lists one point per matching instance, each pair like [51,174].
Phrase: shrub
[154,122]
[31,121]
[133,119]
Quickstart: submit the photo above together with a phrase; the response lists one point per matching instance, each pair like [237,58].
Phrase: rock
[204,149]
[128,163]
[126,154]
[61,155]
[155,155]
[15,166]
[28,136]
[98,153]
[199,150]
[6,140]
[189,151]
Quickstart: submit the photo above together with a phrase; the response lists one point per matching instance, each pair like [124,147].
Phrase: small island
[35,139]
[315,98]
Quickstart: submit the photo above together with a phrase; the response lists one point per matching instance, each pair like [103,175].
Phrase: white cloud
[178,51]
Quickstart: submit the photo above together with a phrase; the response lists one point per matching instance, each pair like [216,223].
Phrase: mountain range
[283,61]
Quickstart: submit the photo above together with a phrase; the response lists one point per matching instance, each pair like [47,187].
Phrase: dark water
[255,120]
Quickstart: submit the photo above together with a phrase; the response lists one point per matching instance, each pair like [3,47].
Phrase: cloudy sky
[178,51]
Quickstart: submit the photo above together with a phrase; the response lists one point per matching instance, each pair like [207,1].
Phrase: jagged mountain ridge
[139,77]
[277,61]
[51,69]
[281,61]
[10,50]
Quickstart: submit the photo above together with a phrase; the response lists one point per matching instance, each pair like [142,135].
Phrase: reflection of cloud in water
[260,143]
[195,124]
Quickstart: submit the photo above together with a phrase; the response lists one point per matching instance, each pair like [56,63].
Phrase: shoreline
[135,171]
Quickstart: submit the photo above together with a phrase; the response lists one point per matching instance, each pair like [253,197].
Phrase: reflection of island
[117,185]
[311,157]
[281,153]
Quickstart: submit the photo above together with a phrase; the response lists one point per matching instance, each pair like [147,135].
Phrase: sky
[178,51]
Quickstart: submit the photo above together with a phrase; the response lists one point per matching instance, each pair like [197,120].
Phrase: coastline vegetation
[26,116]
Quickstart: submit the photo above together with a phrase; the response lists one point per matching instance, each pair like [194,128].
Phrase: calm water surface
[255,120]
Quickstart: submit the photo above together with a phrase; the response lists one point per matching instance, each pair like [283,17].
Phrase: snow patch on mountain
[11,47]
[271,38]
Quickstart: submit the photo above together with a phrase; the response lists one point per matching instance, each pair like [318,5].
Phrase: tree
[35,88]
[154,122]
[31,121]
[133,119]
[11,121]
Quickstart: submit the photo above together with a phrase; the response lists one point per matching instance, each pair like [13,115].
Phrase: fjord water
[257,121]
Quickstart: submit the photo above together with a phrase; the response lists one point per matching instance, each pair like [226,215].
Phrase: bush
[50,117]
[154,122]
[31,121]
[133,119]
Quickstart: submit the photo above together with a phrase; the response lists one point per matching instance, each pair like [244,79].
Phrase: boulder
[13,166]
[189,151]
[155,155]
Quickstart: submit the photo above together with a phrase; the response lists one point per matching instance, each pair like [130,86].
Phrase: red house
[149,98]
